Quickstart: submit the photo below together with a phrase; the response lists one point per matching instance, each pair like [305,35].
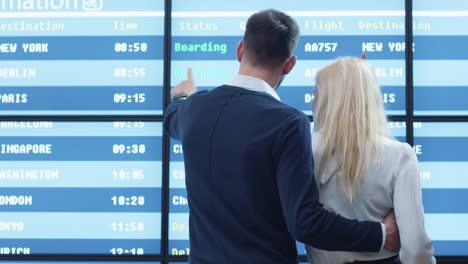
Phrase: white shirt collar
[253,84]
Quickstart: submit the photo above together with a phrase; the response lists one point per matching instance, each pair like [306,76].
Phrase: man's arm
[179,93]
[305,216]
[171,119]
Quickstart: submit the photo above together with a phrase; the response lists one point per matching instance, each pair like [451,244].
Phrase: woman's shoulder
[394,147]
[387,147]
[394,155]
[388,143]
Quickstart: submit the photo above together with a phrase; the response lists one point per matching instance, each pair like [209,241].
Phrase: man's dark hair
[270,38]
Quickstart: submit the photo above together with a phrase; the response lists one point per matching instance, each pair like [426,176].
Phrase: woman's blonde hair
[350,116]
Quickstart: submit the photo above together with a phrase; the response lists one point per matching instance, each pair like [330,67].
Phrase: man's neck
[268,76]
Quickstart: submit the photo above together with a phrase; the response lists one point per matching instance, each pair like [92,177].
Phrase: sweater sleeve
[171,119]
[416,247]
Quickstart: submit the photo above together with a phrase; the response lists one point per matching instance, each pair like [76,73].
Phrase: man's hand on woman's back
[392,241]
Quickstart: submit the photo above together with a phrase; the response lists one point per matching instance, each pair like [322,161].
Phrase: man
[249,165]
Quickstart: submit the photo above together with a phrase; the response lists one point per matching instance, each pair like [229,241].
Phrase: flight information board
[178,234]
[441,150]
[80,187]
[205,35]
[440,57]
[81,57]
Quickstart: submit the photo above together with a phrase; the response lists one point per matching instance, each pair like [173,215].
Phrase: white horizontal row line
[463,13]
[374,13]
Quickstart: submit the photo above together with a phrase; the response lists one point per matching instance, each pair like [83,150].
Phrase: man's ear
[363,56]
[240,50]
[289,65]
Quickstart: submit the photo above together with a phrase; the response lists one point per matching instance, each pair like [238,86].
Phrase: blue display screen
[76,187]
[80,187]
[440,57]
[441,150]
[81,57]
[205,35]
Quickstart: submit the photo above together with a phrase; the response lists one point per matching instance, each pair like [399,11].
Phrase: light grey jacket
[391,180]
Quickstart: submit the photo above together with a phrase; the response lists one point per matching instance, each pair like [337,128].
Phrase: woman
[361,171]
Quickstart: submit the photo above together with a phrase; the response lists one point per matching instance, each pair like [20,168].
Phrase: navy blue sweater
[250,184]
